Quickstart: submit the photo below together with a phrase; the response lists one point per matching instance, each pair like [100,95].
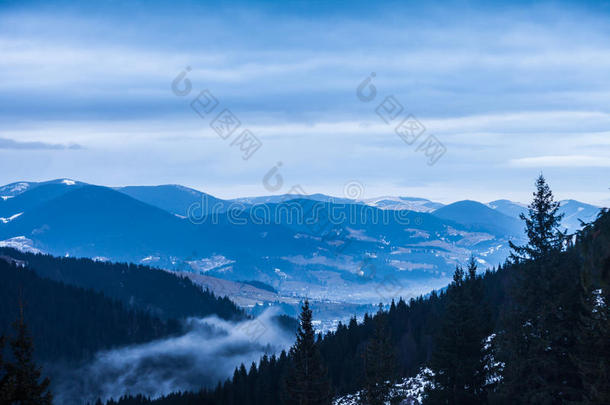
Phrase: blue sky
[510,90]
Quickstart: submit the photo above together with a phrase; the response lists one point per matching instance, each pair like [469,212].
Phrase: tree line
[533,331]
[157,291]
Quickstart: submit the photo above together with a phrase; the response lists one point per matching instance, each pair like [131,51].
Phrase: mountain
[573,212]
[14,189]
[303,247]
[509,208]
[576,211]
[403,203]
[277,199]
[387,202]
[416,332]
[20,197]
[479,217]
[176,199]
[167,295]
[69,322]
[94,221]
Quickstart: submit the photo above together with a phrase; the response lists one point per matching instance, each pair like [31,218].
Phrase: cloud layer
[207,353]
[502,87]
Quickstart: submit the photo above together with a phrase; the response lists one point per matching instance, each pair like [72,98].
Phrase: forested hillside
[143,287]
[534,331]
[71,323]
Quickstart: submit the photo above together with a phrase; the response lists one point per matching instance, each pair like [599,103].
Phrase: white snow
[410,390]
[20,243]
[68,182]
[398,203]
[280,273]
[18,188]
[9,219]
[209,263]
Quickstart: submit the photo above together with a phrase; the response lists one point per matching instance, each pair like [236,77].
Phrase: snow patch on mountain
[209,263]
[14,189]
[20,243]
[150,259]
[9,219]
[358,234]
[402,203]
[300,260]
[410,266]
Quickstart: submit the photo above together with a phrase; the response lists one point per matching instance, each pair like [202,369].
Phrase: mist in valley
[207,352]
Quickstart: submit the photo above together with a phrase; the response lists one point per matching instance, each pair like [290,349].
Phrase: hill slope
[480,217]
[157,291]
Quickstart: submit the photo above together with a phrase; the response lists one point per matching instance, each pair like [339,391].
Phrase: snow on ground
[9,219]
[150,259]
[14,189]
[206,264]
[20,243]
[410,390]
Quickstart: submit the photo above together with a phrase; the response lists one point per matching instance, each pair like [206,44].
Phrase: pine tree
[541,225]
[5,392]
[459,357]
[593,354]
[540,325]
[307,382]
[22,373]
[380,364]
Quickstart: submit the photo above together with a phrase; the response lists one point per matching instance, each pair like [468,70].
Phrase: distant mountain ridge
[176,228]
[480,217]
[573,211]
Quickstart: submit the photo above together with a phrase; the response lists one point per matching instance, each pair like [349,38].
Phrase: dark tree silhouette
[379,364]
[543,313]
[307,382]
[458,362]
[23,374]
[541,225]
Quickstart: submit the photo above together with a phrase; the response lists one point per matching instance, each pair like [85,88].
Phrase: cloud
[512,82]
[561,161]
[6,143]
[205,354]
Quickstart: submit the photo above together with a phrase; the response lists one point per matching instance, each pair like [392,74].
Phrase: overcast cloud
[86,93]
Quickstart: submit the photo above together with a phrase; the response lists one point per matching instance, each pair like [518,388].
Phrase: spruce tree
[5,392]
[307,382]
[458,359]
[541,225]
[379,364]
[539,330]
[593,354]
[22,373]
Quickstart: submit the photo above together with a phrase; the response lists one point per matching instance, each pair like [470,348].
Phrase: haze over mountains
[358,251]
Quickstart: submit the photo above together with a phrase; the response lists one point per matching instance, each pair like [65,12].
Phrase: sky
[497,93]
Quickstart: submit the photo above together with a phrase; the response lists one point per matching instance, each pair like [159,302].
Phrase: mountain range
[315,245]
